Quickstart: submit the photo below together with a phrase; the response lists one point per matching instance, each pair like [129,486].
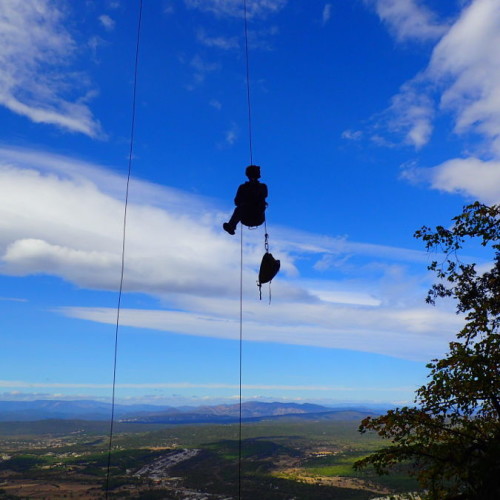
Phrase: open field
[285,460]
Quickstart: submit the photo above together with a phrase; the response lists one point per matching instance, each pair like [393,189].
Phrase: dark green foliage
[116,482]
[22,463]
[251,448]
[157,495]
[451,437]
[219,475]
[6,496]
[59,427]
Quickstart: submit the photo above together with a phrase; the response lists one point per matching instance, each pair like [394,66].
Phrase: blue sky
[370,118]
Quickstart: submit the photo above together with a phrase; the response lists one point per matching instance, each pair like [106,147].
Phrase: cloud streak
[382,331]
[234,8]
[327,13]
[34,76]
[18,384]
[409,19]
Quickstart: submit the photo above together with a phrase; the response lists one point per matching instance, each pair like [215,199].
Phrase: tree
[451,436]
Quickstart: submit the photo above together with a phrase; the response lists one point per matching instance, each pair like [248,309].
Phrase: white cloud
[13,299]
[36,49]
[187,385]
[352,135]
[345,297]
[234,8]
[231,134]
[215,104]
[327,13]
[412,110]
[107,22]
[62,223]
[63,217]
[220,42]
[467,63]
[33,256]
[169,9]
[201,69]
[411,114]
[409,19]
[377,330]
[461,81]
[471,177]
[94,43]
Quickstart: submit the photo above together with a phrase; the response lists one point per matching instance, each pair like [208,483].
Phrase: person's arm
[239,198]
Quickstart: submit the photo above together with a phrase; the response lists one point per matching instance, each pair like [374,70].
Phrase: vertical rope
[249,103]
[250,148]
[241,364]
[124,233]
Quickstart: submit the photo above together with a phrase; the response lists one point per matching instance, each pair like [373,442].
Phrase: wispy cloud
[352,135]
[36,50]
[220,42]
[327,13]
[94,43]
[376,330]
[234,8]
[107,22]
[409,19]
[461,82]
[466,63]
[201,68]
[21,384]
[13,299]
[215,104]
[411,114]
[231,134]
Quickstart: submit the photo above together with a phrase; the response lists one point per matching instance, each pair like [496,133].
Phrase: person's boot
[228,228]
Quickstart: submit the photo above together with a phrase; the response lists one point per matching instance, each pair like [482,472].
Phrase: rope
[241,363]
[124,228]
[250,148]
[266,248]
[249,103]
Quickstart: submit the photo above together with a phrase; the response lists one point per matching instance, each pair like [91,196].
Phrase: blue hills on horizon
[25,411]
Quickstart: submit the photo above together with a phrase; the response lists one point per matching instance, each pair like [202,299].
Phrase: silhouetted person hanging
[250,202]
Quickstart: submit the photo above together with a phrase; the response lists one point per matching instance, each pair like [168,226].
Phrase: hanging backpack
[269,268]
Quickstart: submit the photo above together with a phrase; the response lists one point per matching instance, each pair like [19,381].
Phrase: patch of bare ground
[50,490]
[299,475]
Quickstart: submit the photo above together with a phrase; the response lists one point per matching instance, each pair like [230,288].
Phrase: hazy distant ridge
[79,409]
[23,411]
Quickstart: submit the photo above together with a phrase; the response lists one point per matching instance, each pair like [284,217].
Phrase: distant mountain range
[23,411]
[250,412]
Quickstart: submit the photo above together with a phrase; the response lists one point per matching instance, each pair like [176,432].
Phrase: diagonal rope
[124,233]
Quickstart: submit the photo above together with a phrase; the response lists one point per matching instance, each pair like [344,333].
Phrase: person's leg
[230,227]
